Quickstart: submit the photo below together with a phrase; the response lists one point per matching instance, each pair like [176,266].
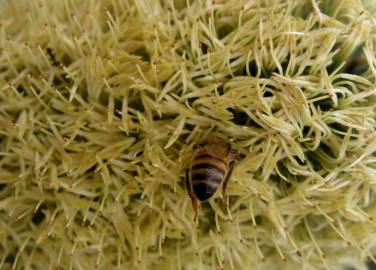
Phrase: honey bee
[212,165]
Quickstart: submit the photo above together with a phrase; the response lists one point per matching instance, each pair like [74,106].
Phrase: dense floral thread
[102,103]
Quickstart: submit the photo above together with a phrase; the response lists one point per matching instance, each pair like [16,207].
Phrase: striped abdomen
[207,173]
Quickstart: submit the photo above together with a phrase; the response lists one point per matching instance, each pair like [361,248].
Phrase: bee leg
[225,182]
[235,155]
[223,201]
[190,193]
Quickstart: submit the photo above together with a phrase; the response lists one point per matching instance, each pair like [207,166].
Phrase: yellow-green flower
[102,103]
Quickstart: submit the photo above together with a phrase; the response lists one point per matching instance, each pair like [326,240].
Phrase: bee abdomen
[203,190]
[206,180]
[206,176]
[209,157]
[209,167]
